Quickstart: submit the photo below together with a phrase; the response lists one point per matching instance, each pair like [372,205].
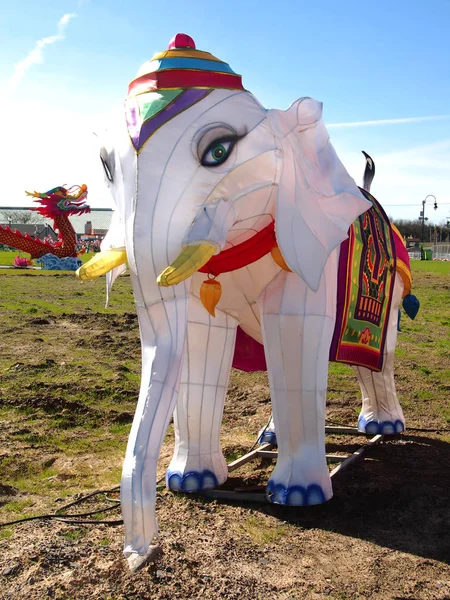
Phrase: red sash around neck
[243,254]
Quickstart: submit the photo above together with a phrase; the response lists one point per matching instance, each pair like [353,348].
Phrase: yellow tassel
[278,258]
[210,293]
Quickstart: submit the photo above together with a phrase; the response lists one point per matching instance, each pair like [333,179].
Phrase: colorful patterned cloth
[367,265]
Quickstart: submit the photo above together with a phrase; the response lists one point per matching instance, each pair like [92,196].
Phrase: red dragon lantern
[57,204]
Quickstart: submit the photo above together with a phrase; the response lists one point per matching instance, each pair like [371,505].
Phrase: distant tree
[413,228]
[21,216]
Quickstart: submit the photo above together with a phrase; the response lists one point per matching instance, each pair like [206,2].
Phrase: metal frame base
[266,451]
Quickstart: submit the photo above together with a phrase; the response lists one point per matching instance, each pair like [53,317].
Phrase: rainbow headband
[171,82]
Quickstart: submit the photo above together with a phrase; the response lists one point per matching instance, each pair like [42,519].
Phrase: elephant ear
[317,199]
[115,238]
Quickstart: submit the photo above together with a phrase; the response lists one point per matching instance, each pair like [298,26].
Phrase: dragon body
[57,204]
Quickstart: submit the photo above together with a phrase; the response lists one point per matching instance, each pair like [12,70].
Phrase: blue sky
[367,62]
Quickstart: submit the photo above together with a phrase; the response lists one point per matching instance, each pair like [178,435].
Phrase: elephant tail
[410,302]
[369,172]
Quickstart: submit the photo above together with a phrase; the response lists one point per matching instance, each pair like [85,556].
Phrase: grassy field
[69,377]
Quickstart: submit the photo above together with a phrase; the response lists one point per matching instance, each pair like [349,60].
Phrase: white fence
[441,251]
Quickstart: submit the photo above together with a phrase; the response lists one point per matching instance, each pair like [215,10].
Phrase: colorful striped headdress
[171,82]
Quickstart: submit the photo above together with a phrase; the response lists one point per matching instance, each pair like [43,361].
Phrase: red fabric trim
[402,253]
[243,254]
[184,78]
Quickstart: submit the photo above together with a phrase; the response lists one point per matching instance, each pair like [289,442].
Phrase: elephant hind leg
[267,434]
[198,462]
[381,411]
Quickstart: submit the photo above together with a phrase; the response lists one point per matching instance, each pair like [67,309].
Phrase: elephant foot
[136,562]
[196,472]
[301,480]
[297,495]
[192,481]
[267,437]
[386,427]
[267,434]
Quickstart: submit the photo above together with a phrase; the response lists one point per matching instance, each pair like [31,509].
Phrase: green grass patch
[104,542]
[73,534]
[341,369]
[446,414]
[17,506]
[430,266]
[6,533]
[261,533]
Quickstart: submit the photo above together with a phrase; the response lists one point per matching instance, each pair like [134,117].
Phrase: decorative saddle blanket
[366,276]
[367,267]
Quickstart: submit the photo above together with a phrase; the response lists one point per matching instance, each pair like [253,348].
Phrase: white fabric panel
[317,198]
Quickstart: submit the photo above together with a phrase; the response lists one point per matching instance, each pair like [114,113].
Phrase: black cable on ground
[83,498]
[74,518]
[89,521]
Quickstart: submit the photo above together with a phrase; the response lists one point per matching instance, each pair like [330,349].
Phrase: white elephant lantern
[248,212]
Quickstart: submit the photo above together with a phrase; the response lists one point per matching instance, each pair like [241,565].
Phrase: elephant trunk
[206,237]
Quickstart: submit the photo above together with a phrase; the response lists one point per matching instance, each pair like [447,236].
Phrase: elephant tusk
[102,262]
[190,260]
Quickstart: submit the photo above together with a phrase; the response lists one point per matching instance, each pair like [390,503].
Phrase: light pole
[422,215]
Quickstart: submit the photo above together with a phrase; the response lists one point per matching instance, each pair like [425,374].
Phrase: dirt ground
[69,377]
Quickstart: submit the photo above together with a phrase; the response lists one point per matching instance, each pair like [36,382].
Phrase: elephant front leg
[297,329]
[381,411]
[198,462]
[162,328]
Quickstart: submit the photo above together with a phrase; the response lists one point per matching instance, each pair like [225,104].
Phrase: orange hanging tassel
[210,293]
[278,258]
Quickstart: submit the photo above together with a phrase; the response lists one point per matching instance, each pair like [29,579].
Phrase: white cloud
[387,122]
[36,55]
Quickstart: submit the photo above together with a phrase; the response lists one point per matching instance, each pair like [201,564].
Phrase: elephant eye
[218,152]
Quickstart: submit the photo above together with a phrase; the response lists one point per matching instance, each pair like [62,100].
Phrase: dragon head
[62,201]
